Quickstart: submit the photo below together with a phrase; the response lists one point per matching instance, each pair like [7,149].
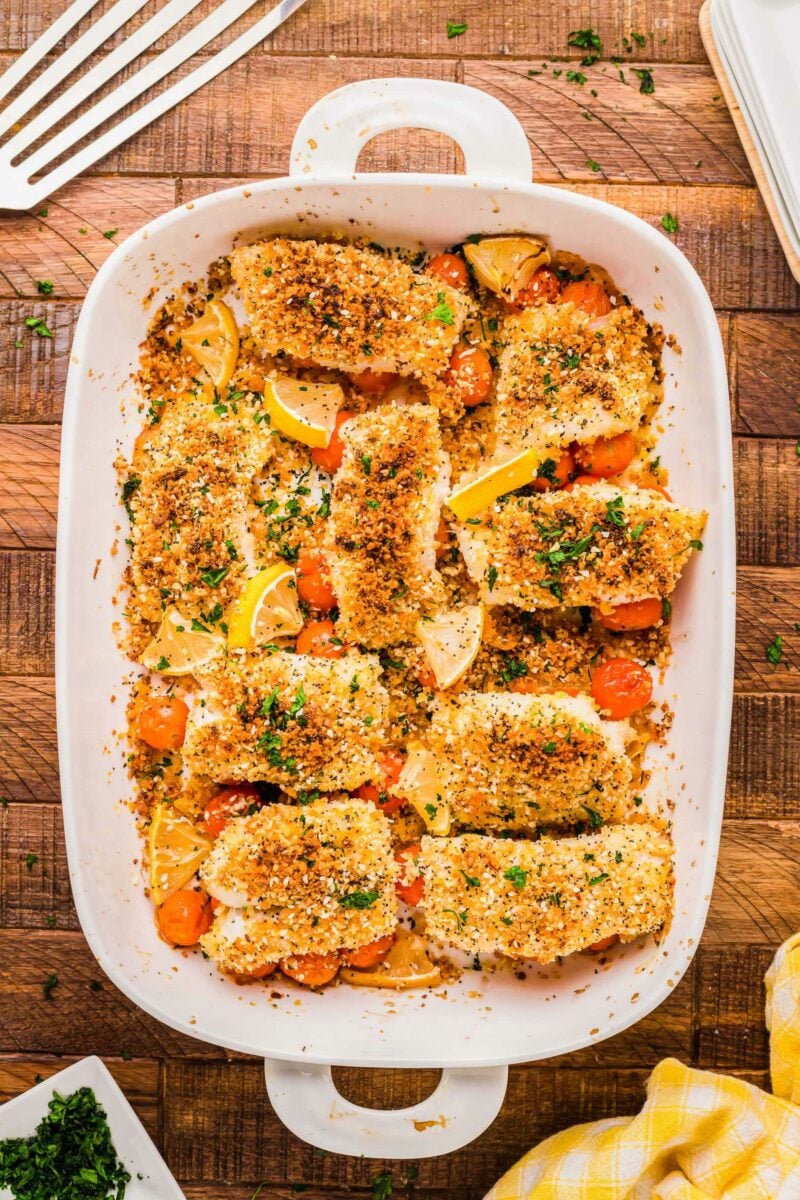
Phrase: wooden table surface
[671,151]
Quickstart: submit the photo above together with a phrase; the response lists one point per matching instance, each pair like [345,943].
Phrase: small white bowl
[150,1179]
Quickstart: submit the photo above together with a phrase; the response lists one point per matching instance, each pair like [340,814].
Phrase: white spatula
[18,189]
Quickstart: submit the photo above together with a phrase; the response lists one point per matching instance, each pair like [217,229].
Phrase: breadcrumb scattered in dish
[597,544]
[547,898]
[300,879]
[299,721]
[348,308]
[381,537]
[563,377]
[521,761]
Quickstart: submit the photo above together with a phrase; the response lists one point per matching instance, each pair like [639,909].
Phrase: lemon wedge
[420,785]
[471,498]
[451,642]
[213,339]
[177,649]
[304,411]
[505,264]
[177,847]
[406,966]
[267,608]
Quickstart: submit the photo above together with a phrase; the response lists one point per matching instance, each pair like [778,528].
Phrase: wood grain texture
[391,29]
[28,750]
[767,480]
[28,486]
[765,374]
[139,1081]
[67,245]
[34,372]
[679,134]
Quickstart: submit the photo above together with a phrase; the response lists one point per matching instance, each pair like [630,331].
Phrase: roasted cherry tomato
[604,944]
[374,383]
[379,793]
[606,456]
[442,538]
[470,375]
[235,801]
[313,581]
[184,917]
[556,473]
[544,285]
[319,638]
[330,457]
[450,269]
[371,955]
[313,970]
[637,614]
[591,297]
[411,892]
[162,723]
[621,687]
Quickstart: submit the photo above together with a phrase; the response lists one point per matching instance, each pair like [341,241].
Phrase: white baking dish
[478,1026]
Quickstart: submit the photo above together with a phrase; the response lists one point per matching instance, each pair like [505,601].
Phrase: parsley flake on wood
[44,287]
[49,986]
[37,326]
[592,165]
[669,223]
[645,78]
[775,650]
[456,28]
[585,39]
[70,1156]
[382,1187]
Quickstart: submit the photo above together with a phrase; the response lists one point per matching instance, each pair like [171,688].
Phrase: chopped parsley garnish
[472,881]
[38,326]
[592,165]
[48,987]
[31,860]
[162,664]
[695,544]
[431,810]
[585,39]
[456,28]
[382,1184]
[44,287]
[517,877]
[547,470]
[443,312]
[645,78]
[595,820]
[775,650]
[214,578]
[354,684]
[576,77]
[549,748]
[615,514]
[70,1155]
[599,878]
[461,917]
[129,487]
[366,463]
[358,899]
[513,668]
[554,900]
[491,578]
[666,609]
[229,546]
[110,233]
[669,223]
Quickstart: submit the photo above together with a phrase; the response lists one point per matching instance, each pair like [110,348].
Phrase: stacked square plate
[752,45]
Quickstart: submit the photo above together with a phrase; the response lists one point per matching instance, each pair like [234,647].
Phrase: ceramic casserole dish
[475,1028]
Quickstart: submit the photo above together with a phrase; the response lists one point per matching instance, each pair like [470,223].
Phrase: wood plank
[730,1031]
[723,231]
[34,877]
[767,475]
[53,247]
[28,486]
[382,27]
[768,497]
[139,1081]
[768,602]
[28,750]
[764,766]
[679,134]
[768,605]
[34,374]
[237,1136]
[765,374]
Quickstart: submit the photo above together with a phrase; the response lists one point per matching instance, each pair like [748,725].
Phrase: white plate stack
[753,49]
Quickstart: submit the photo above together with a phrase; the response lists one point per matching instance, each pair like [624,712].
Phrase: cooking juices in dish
[401,560]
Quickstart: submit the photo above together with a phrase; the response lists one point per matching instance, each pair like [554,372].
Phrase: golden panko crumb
[381,538]
[597,544]
[348,308]
[547,898]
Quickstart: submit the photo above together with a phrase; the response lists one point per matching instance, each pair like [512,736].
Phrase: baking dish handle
[335,130]
[305,1098]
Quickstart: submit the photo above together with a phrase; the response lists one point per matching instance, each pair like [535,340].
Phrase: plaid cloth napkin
[699,1135]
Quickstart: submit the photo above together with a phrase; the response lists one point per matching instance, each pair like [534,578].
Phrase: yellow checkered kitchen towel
[699,1134]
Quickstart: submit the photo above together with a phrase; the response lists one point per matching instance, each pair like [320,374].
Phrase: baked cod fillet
[385,510]
[295,720]
[347,308]
[548,898]
[598,544]
[300,879]
[191,509]
[519,761]
[563,379]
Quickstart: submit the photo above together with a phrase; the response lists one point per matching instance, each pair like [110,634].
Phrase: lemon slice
[471,498]
[451,642]
[213,340]
[420,785]
[177,847]
[267,608]
[177,649]
[406,966]
[304,411]
[505,264]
